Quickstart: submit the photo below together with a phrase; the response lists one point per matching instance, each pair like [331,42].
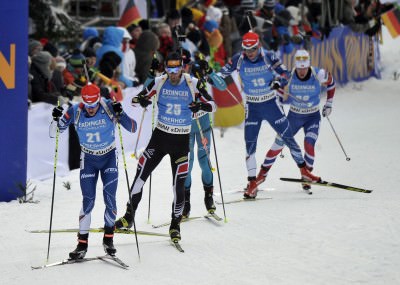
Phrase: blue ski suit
[98,156]
[262,102]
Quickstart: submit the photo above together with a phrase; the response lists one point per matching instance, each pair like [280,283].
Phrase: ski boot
[262,174]
[127,220]
[251,190]
[307,187]
[108,241]
[81,248]
[208,199]
[186,207]
[307,175]
[175,229]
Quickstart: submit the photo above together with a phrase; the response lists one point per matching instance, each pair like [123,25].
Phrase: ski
[168,223]
[65,261]
[100,230]
[326,183]
[213,215]
[118,261]
[177,245]
[243,200]
[114,259]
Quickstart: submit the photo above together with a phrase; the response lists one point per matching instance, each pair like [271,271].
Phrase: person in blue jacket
[306,85]
[94,120]
[201,135]
[257,70]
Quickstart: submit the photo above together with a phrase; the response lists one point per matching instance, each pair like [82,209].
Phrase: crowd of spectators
[121,57]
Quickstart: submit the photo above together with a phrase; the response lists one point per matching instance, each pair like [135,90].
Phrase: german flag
[230,111]
[130,15]
[391,20]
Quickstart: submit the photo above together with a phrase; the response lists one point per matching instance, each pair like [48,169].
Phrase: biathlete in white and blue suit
[257,68]
[306,84]
[95,119]
[177,95]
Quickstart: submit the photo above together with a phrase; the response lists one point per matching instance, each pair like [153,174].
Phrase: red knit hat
[250,40]
[90,93]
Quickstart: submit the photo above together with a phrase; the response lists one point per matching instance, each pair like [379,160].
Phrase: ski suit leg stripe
[251,130]
[88,180]
[311,132]
[188,181]
[109,176]
[179,166]
[278,121]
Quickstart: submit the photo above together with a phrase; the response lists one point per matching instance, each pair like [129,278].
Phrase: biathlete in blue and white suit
[306,84]
[177,96]
[257,68]
[95,121]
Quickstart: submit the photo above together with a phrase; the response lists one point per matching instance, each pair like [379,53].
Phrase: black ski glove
[197,106]
[142,100]
[275,85]
[57,113]
[117,108]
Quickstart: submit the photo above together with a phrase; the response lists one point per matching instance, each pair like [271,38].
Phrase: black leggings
[161,144]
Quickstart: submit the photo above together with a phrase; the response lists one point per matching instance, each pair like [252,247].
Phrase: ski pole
[127,182]
[139,132]
[234,98]
[219,177]
[152,128]
[337,137]
[54,186]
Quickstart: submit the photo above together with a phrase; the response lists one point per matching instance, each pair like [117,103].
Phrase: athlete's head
[173,66]
[302,62]
[91,97]
[251,44]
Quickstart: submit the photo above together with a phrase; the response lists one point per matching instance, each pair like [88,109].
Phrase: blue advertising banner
[13,97]
[347,55]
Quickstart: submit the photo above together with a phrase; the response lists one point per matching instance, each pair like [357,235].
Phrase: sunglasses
[250,50]
[302,58]
[91,105]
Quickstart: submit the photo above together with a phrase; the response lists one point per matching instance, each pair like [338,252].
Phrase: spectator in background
[165,37]
[74,74]
[174,19]
[228,29]
[147,45]
[43,89]
[34,47]
[90,56]
[135,31]
[144,24]
[361,18]
[129,60]
[112,39]
[90,39]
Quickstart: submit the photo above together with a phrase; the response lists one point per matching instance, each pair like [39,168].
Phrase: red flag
[130,15]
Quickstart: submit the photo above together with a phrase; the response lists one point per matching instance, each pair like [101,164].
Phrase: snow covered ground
[331,237]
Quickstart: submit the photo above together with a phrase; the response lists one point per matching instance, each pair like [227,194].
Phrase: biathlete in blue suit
[200,134]
[95,121]
[306,84]
[257,68]
[177,95]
